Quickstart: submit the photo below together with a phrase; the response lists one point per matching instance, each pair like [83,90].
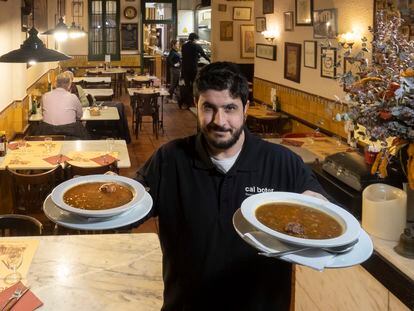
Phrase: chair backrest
[138,84]
[73,170]
[19,225]
[42,137]
[90,99]
[30,190]
[93,74]
[146,104]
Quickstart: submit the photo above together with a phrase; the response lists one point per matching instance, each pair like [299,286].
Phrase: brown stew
[299,221]
[94,196]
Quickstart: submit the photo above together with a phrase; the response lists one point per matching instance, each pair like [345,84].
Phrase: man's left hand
[314,194]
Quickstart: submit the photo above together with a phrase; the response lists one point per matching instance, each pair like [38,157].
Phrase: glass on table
[13,260]
[110,142]
[48,144]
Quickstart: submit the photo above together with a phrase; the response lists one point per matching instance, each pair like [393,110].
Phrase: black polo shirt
[206,265]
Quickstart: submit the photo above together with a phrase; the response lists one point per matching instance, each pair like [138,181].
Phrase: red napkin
[57,159]
[104,159]
[28,302]
[290,142]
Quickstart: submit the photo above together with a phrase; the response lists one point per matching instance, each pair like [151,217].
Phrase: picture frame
[309,54]
[325,24]
[246,41]
[288,20]
[77,9]
[328,62]
[266,51]
[129,36]
[304,12]
[292,61]
[268,6]
[242,13]
[226,31]
[260,24]
[222,7]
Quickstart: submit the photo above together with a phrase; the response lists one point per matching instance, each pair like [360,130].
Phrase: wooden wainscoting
[81,61]
[306,108]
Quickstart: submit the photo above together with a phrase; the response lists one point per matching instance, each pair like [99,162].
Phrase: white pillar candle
[384,211]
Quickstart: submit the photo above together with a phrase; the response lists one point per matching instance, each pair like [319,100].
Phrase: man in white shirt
[59,106]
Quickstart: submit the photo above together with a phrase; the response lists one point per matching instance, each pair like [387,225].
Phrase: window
[104,29]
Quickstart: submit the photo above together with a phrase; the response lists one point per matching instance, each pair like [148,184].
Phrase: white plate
[137,189]
[349,223]
[72,221]
[360,252]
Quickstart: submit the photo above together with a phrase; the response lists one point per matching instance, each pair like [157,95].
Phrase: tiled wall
[315,110]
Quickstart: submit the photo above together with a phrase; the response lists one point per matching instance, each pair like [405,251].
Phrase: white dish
[349,223]
[72,221]
[359,253]
[137,189]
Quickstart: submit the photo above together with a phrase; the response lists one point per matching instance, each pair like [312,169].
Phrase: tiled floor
[177,123]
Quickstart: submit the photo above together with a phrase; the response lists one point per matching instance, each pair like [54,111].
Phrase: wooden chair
[138,84]
[146,105]
[73,170]
[30,190]
[93,74]
[42,137]
[19,225]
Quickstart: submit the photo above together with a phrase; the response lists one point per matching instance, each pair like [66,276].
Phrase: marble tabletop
[67,147]
[148,90]
[107,113]
[92,79]
[107,71]
[98,272]
[100,92]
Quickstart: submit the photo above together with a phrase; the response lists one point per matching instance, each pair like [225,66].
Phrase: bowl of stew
[300,219]
[98,195]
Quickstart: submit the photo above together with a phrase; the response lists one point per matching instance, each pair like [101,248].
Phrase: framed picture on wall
[292,61]
[246,41]
[266,51]
[325,24]
[222,7]
[129,36]
[304,11]
[226,31]
[242,13]
[288,20]
[309,54]
[77,8]
[260,24]
[268,6]
[328,62]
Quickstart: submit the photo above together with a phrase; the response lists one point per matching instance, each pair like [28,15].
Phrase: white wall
[15,78]
[352,15]
[229,50]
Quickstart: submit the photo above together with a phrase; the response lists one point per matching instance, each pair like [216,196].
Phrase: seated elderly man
[78,91]
[59,106]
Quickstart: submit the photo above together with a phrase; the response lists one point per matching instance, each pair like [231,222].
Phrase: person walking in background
[174,62]
[190,52]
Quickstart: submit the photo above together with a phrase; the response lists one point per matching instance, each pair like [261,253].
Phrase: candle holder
[405,246]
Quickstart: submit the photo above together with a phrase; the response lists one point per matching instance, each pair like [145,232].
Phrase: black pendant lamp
[33,50]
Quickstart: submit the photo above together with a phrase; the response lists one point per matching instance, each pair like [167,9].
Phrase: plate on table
[137,189]
[72,221]
[350,225]
[361,251]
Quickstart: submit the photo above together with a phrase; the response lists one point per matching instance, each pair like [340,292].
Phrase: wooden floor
[177,123]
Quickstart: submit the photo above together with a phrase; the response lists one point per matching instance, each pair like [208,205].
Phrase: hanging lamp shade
[75,31]
[33,50]
[60,32]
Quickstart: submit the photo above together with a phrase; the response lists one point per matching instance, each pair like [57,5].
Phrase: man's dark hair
[193,36]
[221,76]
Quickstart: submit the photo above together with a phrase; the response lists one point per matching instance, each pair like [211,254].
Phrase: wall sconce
[270,36]
[347,40]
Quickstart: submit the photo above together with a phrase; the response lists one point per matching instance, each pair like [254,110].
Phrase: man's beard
[221,144]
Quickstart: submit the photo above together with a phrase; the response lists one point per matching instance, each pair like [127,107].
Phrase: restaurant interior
[333,81]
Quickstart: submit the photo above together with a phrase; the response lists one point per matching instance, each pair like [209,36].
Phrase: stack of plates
[268,240]
[75,218]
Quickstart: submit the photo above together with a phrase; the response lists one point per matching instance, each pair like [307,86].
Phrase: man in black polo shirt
[197,184]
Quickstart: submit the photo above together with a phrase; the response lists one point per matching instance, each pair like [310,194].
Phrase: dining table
[118,74]
[34,155]
[100,94]
[105,114]
[97,272]
[92,79]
